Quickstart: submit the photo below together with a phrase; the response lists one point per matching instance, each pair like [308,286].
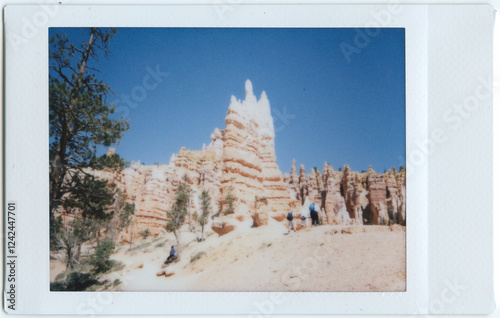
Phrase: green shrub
[140,247]
[161,244]
[75,282]
[100,258]
[116,282]
[60,276]
[116,266]
[390,214]
[58,286]
[84,266]
[145,234]
[197,256]
[229,200]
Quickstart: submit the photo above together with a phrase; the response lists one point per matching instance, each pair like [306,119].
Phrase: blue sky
[324,107]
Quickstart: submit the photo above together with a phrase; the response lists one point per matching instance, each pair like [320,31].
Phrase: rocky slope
[321,259]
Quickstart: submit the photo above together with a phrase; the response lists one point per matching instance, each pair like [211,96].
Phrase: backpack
[289,217]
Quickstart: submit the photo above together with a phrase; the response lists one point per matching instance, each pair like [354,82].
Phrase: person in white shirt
[291,222]
[303,218]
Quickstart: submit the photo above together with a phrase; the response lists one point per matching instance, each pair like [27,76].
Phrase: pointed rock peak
[347,168]
[172,159]
[263,96]
[302,171]
[294,170]
[330,171]
[233,99]
[249,91]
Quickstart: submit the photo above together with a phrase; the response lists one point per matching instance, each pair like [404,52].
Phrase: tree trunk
[178,241]
[59,163]
[78,251]
[69,251]
[131,235]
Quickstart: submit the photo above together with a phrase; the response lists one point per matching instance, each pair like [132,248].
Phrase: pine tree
[84,229]
[67,239]
[177,216]
[79,121]
[78,114]
[100,258]
[91,198]
[205,210]
[229,200]
[120,214]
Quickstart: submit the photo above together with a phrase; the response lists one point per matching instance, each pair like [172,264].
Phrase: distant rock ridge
[241,160]
[352,198]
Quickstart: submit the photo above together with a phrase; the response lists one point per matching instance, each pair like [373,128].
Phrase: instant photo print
[251,159]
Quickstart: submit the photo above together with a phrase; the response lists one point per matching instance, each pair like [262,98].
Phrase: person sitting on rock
[291,223]
[172,254]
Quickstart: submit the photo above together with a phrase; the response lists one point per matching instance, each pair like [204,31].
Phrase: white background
[497,88]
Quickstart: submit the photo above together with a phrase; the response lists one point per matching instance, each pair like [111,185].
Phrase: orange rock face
[222,227]
[250,171]
[352,198]
[353,189]
[377,196]
[335,208]
[396,193]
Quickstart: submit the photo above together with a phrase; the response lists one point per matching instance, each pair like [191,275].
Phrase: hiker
[314,214]
[291,223]
[172,253]
[303,218]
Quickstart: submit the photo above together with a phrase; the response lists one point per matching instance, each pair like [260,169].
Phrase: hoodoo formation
[240,160]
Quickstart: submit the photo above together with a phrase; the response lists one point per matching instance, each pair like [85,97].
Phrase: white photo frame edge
[412,18]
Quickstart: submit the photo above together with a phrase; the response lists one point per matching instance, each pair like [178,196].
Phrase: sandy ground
[310,260]
[56,267]
[268,259]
